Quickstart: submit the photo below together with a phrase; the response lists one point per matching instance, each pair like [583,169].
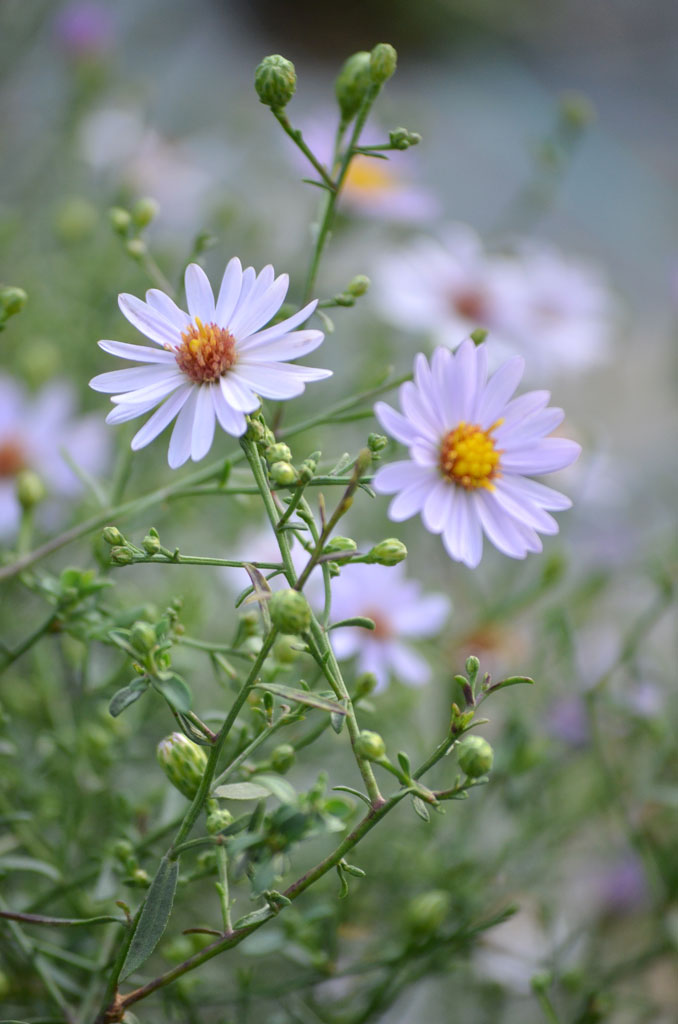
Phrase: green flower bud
[255,431]
[401,138]
[136,248]
[358,285]
[30,489]
[478,336]
[475,756]
[370,745]
[376,443]
[388,552]
[383,60]
[122,850]
[140,878]
[290,611]
[75,220]
[278,453]
[340,544]
[12,301]
[275,81]
[286,649]
[121,556]
[308,468]
[576,110]
[151,542]
[426,912]
[112,535]
[120,220]
[183,762]
[283,474]
[472,666]
[352,84]
[218,819]
[283,757]
[143,636]
[145,211]
[365,684]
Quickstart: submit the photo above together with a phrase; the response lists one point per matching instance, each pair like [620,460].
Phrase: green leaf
[354,792]
[280,788]
[154,916]
[421,808]
[122,699]
[358,620]
[337,720]
[175,691]
[313,700]
[20,863]
[255,917]
[513,681]
[242,791]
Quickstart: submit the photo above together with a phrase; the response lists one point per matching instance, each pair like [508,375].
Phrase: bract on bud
[383,61]
[283,474]
[290,611]
[376,443]
[352,84]
[475,756]
[121,556]
[426,912]
[112,535]
[338,544]
[183,762]
[218,819]
[387,552]
[120,220]
[358,285]
[30,489]
[145,211]
[283,757]
[12,301]
[255,431]
[143,636]
[275,81]
[278,453]
[370,745]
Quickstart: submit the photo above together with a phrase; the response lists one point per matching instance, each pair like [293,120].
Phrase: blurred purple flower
[84,28]
[622,885]
[567,720]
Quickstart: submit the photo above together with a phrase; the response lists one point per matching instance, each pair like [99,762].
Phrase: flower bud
[376,443]
[358,285]
[427,911]
[290,611]
[364,685]
[576,110]
[352,84]
[275,81]
[255,431]
[388,552]
[143,636]
[121,556]
[283,757]
[286,649]
[370,745]
[283,474]
[30,489]
[475,756]
[112,535]
[218,819]
[145,211]
[383,60]
[151,542]
[136,248]
[472,666]
[401,138]
[278,453]
[183,762]
[343,544]
[308,468]
[120,220]
[12,301]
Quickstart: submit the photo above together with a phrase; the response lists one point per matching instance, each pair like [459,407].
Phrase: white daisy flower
[212,363]
[472,449]
[400,612]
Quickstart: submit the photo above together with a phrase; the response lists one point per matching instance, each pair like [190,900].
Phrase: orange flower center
[382,627]
[470,303]
[206,351]
[469,456]
[12,458]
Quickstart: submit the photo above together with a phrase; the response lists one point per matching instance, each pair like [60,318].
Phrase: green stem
[244,754]
[222,887]
[8,657]
[298,139]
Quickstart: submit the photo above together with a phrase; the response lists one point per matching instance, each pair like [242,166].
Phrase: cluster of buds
[401,138]
[278,456]
[130,223]
[356,287]
[183,762]
[123,552]
[361,77]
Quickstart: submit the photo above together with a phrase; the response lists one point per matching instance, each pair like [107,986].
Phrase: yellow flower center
[206,351]
[469,456]
[367,176]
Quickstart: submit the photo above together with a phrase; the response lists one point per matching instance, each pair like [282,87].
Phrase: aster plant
[324,622]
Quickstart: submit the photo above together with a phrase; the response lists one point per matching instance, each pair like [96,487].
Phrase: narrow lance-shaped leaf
[313,700]
[154,916]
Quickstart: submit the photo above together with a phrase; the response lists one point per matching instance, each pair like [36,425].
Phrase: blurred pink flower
[84,28]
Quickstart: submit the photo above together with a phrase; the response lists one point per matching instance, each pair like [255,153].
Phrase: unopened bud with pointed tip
[183,762]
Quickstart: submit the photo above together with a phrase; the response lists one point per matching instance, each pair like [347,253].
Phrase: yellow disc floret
[206,352]
[366,177]
[469,456]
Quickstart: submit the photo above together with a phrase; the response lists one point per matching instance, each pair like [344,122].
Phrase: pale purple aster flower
[84,28]
[213,363]
[449,288]
[35,432]
[472,450]
[400,611]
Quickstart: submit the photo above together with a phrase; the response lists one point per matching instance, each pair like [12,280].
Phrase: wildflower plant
[311,640]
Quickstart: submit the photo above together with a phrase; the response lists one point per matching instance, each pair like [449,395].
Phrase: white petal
[199,296]
[525,405]
[289,346]
[131,378]
[231,420]
[122,413]
[409,501]
[159,420]
[408,666]
[137,353]
[462,537]
[180,441]
[203,422]
[229,291]
[238,394]
[546,456]
[260,311]
[158,390]
[502,530]
[395,424]
[277,380]
[147,320]
[398,475]
[169,309]
[285,326]
[252,288]
[438,506]
[425,617]
[546,497]
[419,411]
[524,511]
[498,391]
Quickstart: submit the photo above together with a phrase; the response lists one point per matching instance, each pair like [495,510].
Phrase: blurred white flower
[400,612]
[212,363]
[470,448]
[34,433]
